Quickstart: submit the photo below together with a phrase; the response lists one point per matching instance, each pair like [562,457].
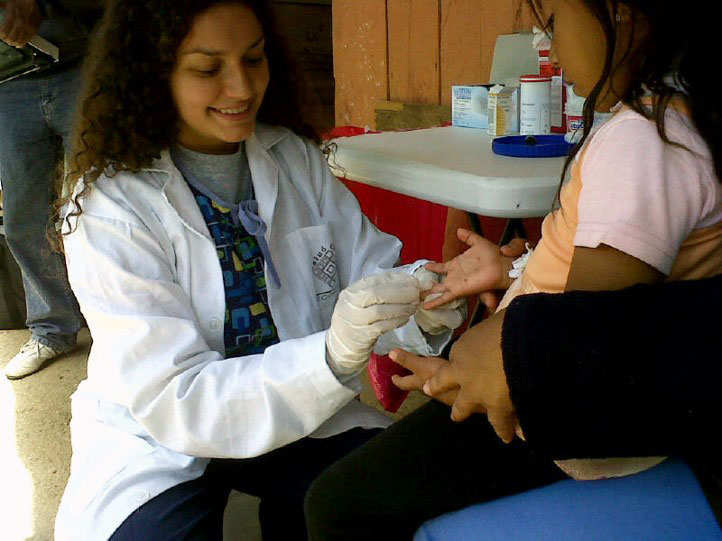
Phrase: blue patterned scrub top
[249,326]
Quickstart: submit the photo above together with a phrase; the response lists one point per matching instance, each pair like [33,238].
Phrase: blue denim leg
[663,503]
[35,122]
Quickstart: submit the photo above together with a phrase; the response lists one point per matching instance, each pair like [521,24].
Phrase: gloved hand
[447,316]
[364,311]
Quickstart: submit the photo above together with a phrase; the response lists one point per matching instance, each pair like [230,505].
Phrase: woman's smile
[233,114]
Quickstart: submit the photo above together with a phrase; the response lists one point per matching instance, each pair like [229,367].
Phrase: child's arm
[482,267]
[606,268]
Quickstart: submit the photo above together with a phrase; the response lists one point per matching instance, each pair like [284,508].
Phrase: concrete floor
[35,446]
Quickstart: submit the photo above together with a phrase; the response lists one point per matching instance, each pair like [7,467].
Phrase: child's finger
[438,268]
[468,237]
[432,294]
[447,296]
[490,300]
[514,248]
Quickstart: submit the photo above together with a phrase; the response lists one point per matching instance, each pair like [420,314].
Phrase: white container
[535,98]
[575,116]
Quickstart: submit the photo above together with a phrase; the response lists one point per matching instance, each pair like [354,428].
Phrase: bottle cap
[531,146]
[535,78]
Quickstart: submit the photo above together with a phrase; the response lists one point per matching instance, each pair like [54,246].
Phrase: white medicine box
[469,106]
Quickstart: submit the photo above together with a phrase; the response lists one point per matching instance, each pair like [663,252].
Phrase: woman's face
[219,79]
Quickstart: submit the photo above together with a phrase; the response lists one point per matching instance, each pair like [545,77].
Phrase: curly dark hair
[127,114]
[678,42]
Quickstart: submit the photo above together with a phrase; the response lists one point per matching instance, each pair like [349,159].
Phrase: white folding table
[451,166]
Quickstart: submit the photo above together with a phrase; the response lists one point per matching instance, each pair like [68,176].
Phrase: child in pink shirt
[639,207]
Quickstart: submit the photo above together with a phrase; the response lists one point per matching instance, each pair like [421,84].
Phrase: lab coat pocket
[314,253]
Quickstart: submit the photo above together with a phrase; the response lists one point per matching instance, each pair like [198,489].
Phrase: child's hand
[482,268]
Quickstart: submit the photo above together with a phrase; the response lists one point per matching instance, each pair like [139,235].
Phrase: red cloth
[381,368]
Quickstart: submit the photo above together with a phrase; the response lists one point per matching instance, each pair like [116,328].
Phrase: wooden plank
[310,2]
[360,59]
[394,115]
[306,28]
[413,27]
[525,18]
[460,49]
[500,17]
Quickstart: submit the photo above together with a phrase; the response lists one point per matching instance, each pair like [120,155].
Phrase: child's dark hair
[672,60]
[126,115]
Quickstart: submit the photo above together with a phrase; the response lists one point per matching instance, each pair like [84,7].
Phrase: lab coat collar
[264,175]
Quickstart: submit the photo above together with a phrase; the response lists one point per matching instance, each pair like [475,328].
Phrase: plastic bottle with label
[534,102]
[575,116]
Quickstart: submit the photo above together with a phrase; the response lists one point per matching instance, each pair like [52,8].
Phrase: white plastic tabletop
[451,166]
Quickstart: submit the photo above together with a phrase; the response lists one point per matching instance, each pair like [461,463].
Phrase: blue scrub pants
[194,510]
[663,503]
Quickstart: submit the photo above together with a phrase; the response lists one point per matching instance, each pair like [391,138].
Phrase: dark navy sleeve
[625,373]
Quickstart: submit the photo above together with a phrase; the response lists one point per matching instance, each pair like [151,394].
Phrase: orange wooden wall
[414,50]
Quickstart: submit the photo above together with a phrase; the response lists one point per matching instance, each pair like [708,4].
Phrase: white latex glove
[364,311]
[442,318]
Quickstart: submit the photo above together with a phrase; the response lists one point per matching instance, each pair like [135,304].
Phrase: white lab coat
[159,394]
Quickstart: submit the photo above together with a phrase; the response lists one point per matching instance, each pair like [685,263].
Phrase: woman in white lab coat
[220,267]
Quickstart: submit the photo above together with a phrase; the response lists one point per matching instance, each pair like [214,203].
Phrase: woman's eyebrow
[210,52]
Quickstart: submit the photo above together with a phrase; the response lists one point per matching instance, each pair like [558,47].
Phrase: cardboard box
[503,114]
[469,105]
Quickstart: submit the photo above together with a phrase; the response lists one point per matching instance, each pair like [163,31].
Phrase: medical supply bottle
[575,116]
[534,102]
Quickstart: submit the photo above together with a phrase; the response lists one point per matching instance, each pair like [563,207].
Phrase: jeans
[36,117]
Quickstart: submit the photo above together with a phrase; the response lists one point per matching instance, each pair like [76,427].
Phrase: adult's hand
[422,369]
[364,311]
[481,269]
[22,18]
[476,368]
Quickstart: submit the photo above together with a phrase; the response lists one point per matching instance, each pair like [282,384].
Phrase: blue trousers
[193,511]
[663,503]
[36,117]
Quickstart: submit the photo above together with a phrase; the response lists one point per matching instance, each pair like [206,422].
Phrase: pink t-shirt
[654,201]
[643,196]
[632,191]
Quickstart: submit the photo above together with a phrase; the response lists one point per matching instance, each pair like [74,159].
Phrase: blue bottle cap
[531,146]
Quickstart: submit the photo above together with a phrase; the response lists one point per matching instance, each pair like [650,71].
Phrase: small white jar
[535,98]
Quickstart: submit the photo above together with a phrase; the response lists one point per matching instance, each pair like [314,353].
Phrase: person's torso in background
[68,25]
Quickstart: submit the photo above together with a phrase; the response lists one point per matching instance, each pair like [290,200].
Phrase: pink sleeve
[639,195]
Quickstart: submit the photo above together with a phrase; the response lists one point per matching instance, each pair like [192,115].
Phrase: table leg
[514,228]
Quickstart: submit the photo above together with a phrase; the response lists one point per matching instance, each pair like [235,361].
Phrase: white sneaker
[31,357]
